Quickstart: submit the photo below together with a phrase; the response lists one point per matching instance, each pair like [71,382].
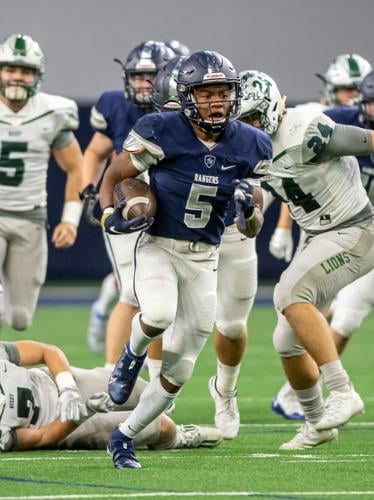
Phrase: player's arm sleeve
[347,140]
[144,153]
[9,352]
[317,136]
[68,121]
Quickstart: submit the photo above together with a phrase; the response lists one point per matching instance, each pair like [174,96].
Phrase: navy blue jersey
[350,115]
[119,115]
[194,184]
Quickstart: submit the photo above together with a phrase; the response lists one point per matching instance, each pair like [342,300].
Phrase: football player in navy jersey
[236,288]
[112,118]
[198,160]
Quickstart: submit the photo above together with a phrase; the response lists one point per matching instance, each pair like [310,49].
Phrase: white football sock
[227,377]
[335,377]
[311,401]
[138,339]
[153,401]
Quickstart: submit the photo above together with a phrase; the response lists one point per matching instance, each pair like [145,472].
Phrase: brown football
[138,196]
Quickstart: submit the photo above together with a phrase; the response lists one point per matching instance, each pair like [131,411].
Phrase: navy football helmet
[366,96]
[146,58]
[179,48]
[207,68]
[164,93]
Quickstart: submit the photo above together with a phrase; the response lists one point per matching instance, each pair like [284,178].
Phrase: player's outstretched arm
[70,159]
[70,405]
[46,437]
[98,151]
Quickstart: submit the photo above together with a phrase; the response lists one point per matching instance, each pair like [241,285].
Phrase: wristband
[106,212]
[72,212]
[65,380]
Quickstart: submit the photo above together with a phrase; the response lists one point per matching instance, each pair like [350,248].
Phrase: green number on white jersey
[12,169]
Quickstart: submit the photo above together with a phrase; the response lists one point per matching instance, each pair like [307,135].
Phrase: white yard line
[195,494]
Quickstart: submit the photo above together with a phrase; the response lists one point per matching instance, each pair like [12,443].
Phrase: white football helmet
[345,71]
[261,98]
[22,50]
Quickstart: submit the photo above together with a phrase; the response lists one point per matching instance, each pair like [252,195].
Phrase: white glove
[70,405]
[7,439]
[100,402]
[281,244]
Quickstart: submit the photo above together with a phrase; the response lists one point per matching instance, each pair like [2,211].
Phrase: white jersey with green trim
[31,396]
[26,140]
[319,196]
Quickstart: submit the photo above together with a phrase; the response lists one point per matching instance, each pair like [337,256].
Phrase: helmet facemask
[190,107]
[144,60]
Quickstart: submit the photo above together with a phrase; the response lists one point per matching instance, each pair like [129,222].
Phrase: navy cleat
[124,375]
[121,448]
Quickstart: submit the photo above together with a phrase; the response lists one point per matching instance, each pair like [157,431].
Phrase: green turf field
[251,465]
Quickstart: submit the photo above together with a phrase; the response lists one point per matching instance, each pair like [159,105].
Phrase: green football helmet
[345,71]
[261,100]
[22,50]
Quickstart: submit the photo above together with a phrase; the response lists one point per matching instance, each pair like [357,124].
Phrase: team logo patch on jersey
[209,160]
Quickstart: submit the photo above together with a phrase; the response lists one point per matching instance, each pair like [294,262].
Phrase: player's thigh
[237,277]
[26,262]
[352,304]
[121,252]
[194,322]
[156,284]
[90,381]
[323,265]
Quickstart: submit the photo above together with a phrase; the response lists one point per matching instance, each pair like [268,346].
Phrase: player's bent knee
[158,316]
[285,342]
[20,319]
[232,329]
[347,322]
[179,373]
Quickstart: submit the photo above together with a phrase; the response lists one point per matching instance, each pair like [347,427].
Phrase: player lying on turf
[54,406]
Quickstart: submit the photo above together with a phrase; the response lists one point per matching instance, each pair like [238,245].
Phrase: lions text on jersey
[193,183]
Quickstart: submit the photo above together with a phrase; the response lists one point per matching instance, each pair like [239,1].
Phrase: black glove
[90,196]
[114,223]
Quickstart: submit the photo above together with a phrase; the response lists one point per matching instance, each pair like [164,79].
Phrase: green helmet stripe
[20,46]
[354,69]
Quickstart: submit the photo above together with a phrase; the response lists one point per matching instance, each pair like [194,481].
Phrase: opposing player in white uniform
[31,125]
[54,406]
[325,196]
[340,88]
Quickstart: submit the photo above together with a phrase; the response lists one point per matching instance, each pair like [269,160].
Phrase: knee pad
[284,340]
[346,322]
[20,318]
[158,316]
[232,329]
[176,371]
